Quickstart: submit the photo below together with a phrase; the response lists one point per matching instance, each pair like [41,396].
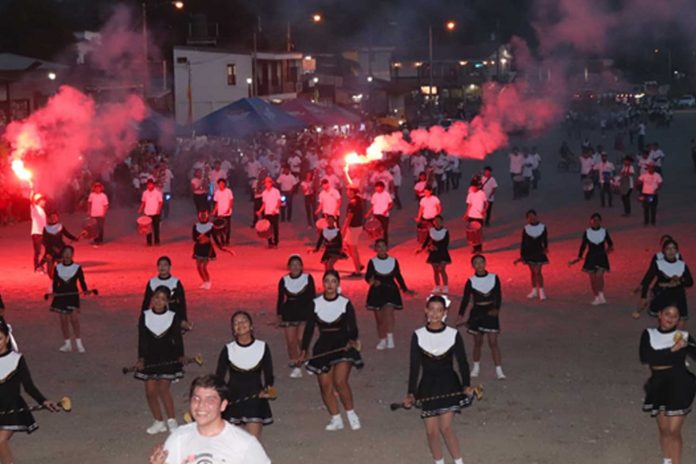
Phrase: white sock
[498,370]
[351,413]
[390,338]
[666,461]
[440,461]
[459,461]
[477,365]
[336,418]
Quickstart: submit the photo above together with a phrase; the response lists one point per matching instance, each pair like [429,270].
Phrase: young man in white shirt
[287,182]
[650,183]
[333,179]
[489,185]
[209,439]
[395,171]
[476,206]
[151,206]
[626,184]
[38,222]
[605,172]
[536,168]
[429,206]
[418,164]
[270,209]
[439,164]
[516,166]
[166,177]
[329,200]
[97,206]
[380,205]
[656,156]
[224,202]
[199,189]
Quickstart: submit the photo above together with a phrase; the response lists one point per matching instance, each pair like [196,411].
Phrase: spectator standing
[97,206]
[224,202]
[151,206]
[650,183]
[489,185]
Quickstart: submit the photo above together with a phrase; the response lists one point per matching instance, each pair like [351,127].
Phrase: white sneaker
[474,372]
[80,346]
[335,424]
[67,347]
[202,285]
[157,427]
[172,425]
[499,373]
[602,300]
[353,421]
[207,285]
[445,290]
[532,294]
[390,343]
[296,373]
[542,294]
[596,301]
[382,345]
[436,289]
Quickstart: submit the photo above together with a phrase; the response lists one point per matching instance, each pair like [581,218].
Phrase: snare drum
[263,228]
[321,223]
[374,229]
[144,225]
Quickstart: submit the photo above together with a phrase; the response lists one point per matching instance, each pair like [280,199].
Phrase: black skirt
[480,321]
[596,261]
[382,295]
[328,342]
[446,384]
[439,256]
[160,369]
[670,391]
[256,410]
[204,251]
[333,253]
[65,304]
[21,421]
[535,257]
[663,297]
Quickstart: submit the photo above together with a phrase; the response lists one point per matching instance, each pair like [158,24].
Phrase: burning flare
[21,171]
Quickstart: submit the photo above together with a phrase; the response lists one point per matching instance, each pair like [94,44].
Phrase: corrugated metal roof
[12,62]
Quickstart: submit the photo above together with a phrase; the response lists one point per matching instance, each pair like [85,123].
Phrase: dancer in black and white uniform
[66,301]
[54,235]
[533,250]
[598,243]
[437,244]
[14,375]
[203,251]
[483,290]
[330,237]
[160,358]
[296,293]
[670,390]
[246,366]
[335,351]
[177,299]
[672,277]
[383,297]
[435,349]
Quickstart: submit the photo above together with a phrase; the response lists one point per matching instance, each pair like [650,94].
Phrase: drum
[321,223]
[263,228]
[144,225]
[219,224]
[90,229]
[374,229]
[474,233]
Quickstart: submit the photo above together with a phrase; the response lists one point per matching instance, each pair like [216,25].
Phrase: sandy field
[574,386]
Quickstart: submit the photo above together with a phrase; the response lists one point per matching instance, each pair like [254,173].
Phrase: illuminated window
[231,74]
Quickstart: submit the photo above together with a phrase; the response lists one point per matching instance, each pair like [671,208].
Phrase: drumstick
[477,395]
[94,292]
[65,404]
[198,359]
[357,345]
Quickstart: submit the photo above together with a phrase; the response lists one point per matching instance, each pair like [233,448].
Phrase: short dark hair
[669,242]
[223,180]
[531,211]
[596,216]
[164,258]
[163,289]
[331,272]
[210,381]
[476,256]
[436,299]
[488,168]
[380,240]
[379,183]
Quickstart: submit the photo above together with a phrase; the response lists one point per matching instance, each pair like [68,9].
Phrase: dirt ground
[574,386]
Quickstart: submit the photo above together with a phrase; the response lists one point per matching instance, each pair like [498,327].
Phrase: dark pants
[535,180]
[641,142]
[397,200]
[488,213]
[605,193]
[155,230]
[273,219]
[626,200]
[226,230]
[441,182]
[257,206]
[165,204]
[309,205]
[384,220]
[455,179]
[37,241]
[100,229]
[201,202]
[286,211]
[649,209]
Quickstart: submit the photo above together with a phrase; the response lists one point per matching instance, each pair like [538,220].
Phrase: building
[208,78]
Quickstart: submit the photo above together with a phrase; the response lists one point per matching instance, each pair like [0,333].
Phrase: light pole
[449,26]
[179,5]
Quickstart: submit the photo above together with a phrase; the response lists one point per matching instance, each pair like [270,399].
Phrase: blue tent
[156,126]
[245,117]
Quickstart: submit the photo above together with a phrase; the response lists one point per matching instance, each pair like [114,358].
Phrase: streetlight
[317,18]
[449,26]
[369,78]
[179,5]
[52,76]
[249,81]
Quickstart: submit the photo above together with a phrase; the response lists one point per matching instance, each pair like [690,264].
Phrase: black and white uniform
[177,296]
[434,352]
[14,374]
[336,322]
[295,299]
[535,242]
[53,239]
[333,244]
[386,271]
[204,250]
[437,244]
[596,242]
[484,291]
[250,370]
[669,391]
[160,345]
[662,272]
[65,280]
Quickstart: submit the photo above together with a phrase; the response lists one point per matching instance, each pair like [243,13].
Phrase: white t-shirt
[329,201]
[420,187]
[430,206]
[380,203]
[476,201]
[271,201]
[656,156]
[384,176]
[586,165]
[333,179]
[295,164]
[650,182]
[489,185]
[536,160]
[286,182]
[152,199]
[223,201]
[38,219]
[516,163]
[231,446]
[167,181]
[439,164]
[98,203]
[606,171]
[215,176]
[396,175]
[418,163]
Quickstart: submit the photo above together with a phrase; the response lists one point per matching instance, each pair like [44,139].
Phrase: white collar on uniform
[437,235]
[330,311]
[596,236]
[483,284]
[203,228]
[170,282]
[436,343]
[8,364]
[246,357]
[295,285]
[662,341]
[158,324]
[673,269]
[53,229]
[535,230]
[384,266]
[67,272]
[329,234]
